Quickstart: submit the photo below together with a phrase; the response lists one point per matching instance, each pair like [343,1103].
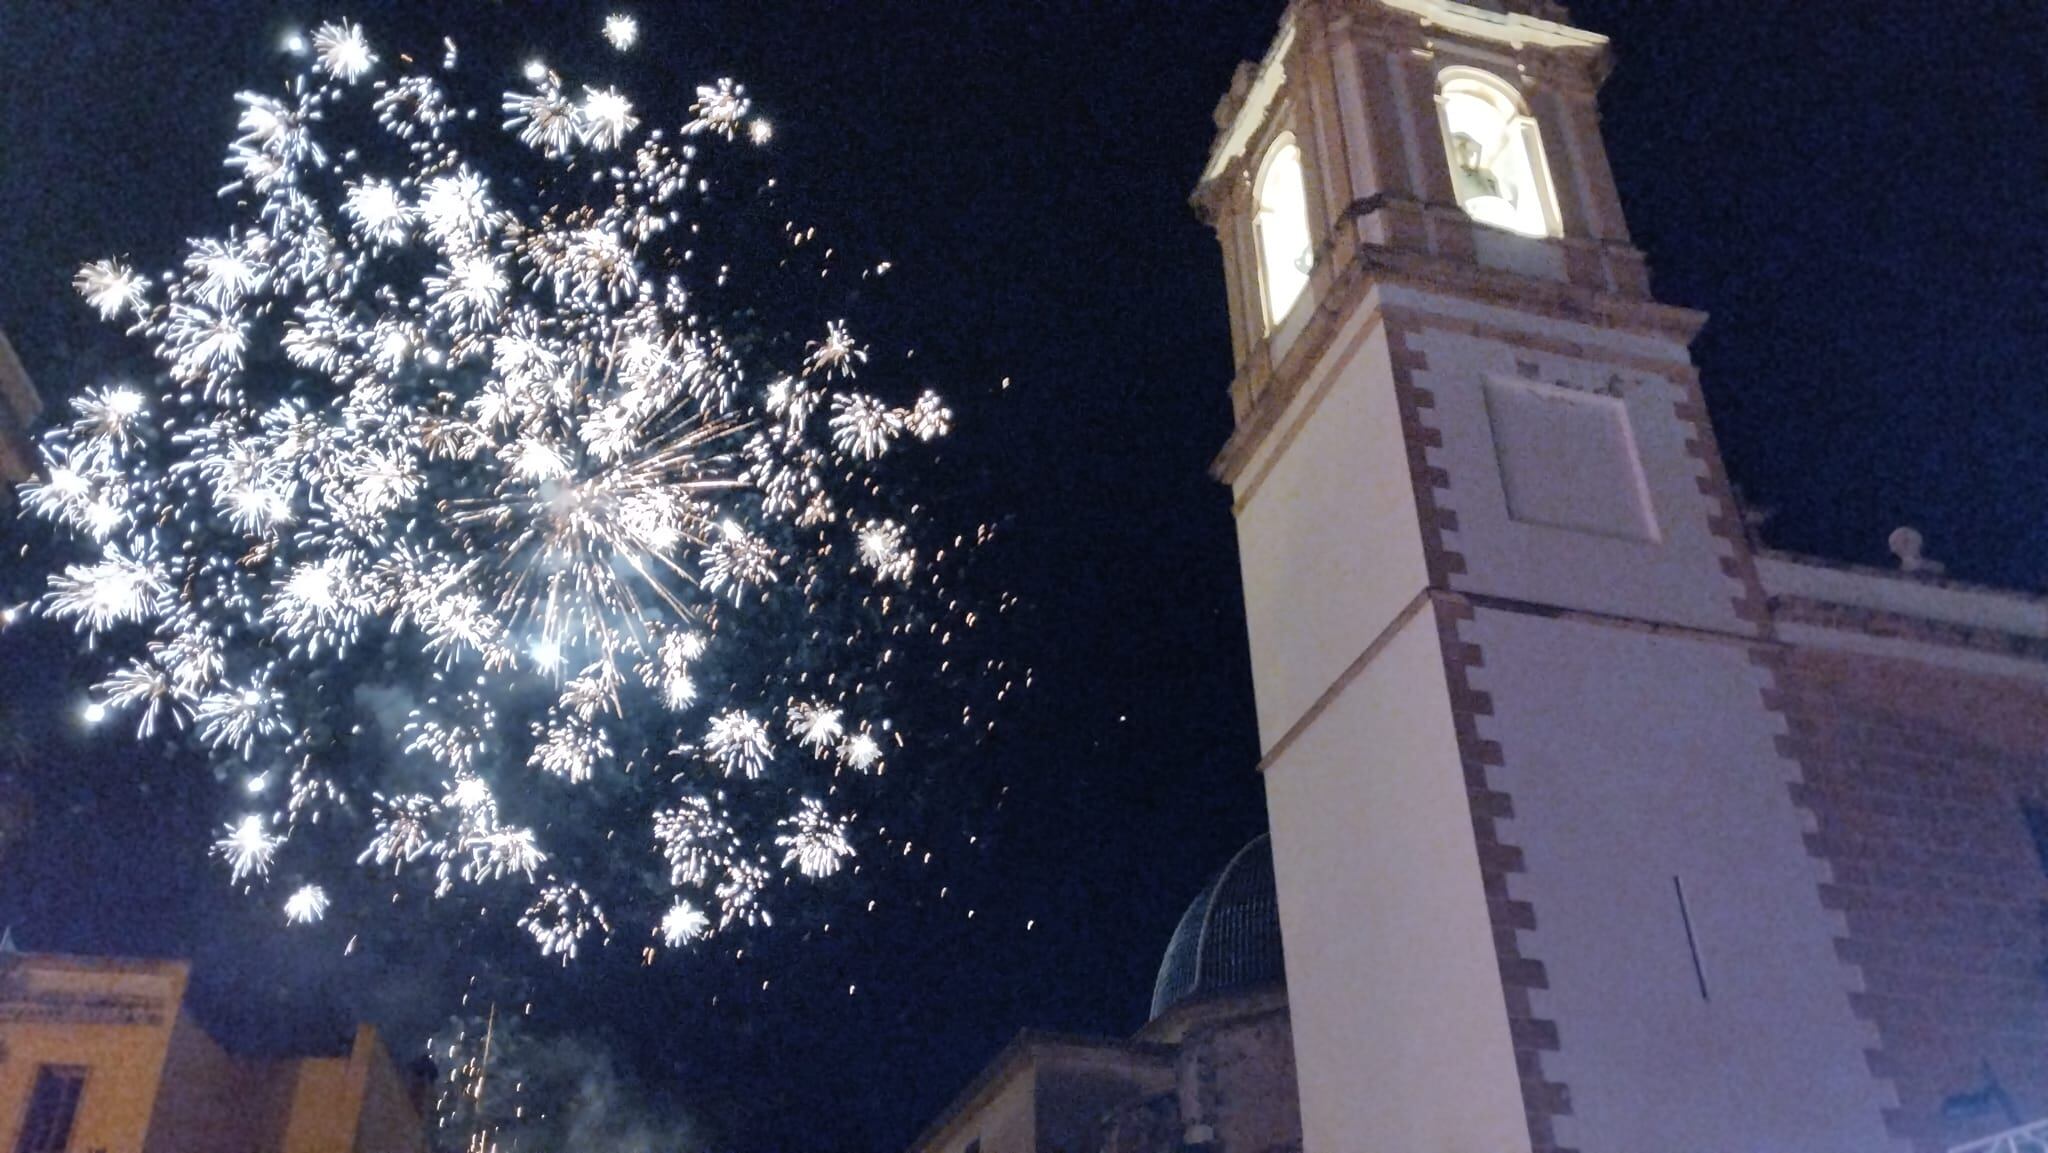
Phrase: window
[1285,252]
[52,1107]
[1496,154]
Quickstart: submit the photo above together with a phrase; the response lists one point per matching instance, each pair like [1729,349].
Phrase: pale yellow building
[98,1055]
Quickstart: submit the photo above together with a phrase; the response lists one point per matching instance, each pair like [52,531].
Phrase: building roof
[1921,616]
[1026,1051]
[1229,939]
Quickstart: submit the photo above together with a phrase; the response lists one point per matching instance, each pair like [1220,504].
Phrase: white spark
[248,848]
[381,216]
[622,31]
[739,894]
[234,718]
[860,752]
[719,108]
[137,684]
[546,653]
[204,343]
[604,118]
[502,852]
[98,596]
[534,459]
[815,725]
[470,794]
[695,838]
[403,833]
[109,418]
[457,208]
[226,275]
[816,841]
[682,924]
[836,355]
[340,51]
[667,671]
[560,918]
[545,119]
[736,742]
[469,290]
[737,560]
[929,419]
[883,548]
[862,426]
[305,906]
[110,287]
[570,750]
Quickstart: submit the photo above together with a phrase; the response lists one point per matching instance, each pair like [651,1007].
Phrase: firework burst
[444,419]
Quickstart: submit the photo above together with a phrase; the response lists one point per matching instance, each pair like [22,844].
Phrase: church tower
[1546,879]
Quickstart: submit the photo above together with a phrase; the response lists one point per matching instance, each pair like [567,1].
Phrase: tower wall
[1689,967]
[1361,757]
[1329,538]
[1399,1035]
[1570,463]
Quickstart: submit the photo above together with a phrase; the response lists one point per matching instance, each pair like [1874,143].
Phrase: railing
[2029,1138]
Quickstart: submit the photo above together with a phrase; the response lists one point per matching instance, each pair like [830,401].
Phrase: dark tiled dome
[1229,939]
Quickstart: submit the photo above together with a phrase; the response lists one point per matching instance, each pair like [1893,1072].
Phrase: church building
[1595,825]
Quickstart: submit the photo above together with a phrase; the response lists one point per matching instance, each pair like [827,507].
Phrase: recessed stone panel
[1568,460]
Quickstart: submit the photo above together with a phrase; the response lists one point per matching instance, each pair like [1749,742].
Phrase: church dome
[1229,939]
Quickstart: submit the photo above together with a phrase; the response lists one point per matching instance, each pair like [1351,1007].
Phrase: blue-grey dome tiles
[1229,938]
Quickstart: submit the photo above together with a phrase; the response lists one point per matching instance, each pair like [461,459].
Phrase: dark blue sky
[1854,191]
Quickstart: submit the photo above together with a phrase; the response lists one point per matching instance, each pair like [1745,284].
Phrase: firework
[428,430]
[682,924]
[622,31]
[560,917]
[306,906]
[816,841]
[247,847]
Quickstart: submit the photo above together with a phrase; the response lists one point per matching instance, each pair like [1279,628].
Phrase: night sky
[1854,191]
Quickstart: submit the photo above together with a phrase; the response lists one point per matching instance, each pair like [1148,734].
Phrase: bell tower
[1542,862]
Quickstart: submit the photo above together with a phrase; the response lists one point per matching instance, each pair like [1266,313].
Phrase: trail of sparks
[469,442]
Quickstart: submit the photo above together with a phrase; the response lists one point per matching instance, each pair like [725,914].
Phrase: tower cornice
[1243,110]
[1264,388]
[1512,28]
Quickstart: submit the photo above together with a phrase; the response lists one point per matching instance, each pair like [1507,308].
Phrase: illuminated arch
[1496,153]
[1286,252]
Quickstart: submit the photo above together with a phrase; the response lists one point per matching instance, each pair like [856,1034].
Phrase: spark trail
[449,416]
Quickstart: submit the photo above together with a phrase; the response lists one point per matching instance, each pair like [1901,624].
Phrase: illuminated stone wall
[156,1083]
[1919,776]
[113,1018]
